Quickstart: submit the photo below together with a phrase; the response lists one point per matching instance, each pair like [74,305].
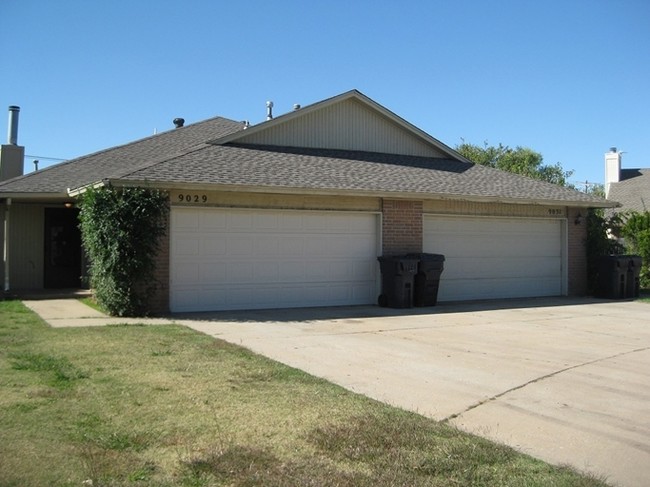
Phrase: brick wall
[159,303]
[576,252]
[401,226]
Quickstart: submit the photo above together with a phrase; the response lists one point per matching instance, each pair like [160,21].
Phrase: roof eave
[19,196]
[169,186]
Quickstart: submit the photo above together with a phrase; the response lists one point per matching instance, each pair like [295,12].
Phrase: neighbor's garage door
[244,259]
[488,258]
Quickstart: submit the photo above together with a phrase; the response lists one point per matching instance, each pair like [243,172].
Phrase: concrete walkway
[564,380]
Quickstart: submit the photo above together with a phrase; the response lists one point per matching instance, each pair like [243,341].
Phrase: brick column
[401,226]
[159,302]
[577,252]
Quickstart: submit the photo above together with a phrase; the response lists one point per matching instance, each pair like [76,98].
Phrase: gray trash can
[397,274]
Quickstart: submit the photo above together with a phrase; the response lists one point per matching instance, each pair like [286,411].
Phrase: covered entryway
[491,258]
[62,245]
[225,259]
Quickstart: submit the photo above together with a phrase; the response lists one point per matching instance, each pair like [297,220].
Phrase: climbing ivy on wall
[121,230]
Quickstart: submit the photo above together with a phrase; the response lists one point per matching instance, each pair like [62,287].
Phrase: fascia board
[169,186]
[34,196]
[82,189]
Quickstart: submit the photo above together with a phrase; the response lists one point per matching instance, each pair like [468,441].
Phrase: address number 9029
[192,198]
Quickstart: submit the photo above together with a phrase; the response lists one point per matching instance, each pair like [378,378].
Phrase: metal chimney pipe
[12,130]
[269,110]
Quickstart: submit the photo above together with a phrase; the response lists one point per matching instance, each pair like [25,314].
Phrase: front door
[62,265]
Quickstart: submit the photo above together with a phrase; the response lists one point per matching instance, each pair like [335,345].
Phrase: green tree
[520,160]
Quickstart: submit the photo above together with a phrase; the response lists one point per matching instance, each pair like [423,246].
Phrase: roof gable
[350,121]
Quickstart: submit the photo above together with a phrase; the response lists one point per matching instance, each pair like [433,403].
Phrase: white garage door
[489,258]
[252,259]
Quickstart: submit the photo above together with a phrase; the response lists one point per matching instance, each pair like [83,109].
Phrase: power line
[586,184]
[47,158]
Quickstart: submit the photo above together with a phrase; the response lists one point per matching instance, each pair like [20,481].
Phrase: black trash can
[632,279]
[618,276]
[397,274]
[427,279]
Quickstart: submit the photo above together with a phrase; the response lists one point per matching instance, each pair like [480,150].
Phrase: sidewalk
[66,313]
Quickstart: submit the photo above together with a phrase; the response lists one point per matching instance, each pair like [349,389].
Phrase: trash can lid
[428,257]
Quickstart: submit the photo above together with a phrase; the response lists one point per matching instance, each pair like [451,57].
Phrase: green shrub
[636,231]
[121,229]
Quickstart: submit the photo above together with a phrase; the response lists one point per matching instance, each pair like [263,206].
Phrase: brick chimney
[12,155]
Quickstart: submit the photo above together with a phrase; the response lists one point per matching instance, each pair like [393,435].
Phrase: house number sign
[191,198]
[555,212]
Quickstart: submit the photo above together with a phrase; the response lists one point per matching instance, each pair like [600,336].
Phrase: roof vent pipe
[179,122]
[12,131]
[269,110]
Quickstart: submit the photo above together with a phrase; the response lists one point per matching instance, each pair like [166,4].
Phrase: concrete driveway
[564,380]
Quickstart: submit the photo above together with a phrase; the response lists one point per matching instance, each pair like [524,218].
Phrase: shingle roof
[120,160]
[185,156]
[351,171]
[633,190]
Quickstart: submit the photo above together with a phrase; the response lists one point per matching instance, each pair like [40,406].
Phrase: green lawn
[166,406]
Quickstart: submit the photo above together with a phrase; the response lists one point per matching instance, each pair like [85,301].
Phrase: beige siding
[444,207]
[349,126]
[279,201]
[2,243]
[26,250]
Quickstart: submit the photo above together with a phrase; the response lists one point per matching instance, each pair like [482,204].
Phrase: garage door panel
[486,267]
[488,258]
[267,246]
[187,272]
[212,272]
[265,221]
[187,245]
[267,271]
[260,259]
[240,245]
[211,222]
[187,221]
[212,245]
[455,290]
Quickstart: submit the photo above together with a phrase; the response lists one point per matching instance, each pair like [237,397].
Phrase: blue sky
[567,78]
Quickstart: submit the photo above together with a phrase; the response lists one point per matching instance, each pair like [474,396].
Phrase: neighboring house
[629,187]
[294,212]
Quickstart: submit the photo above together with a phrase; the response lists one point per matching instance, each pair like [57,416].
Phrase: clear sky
[567,78]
